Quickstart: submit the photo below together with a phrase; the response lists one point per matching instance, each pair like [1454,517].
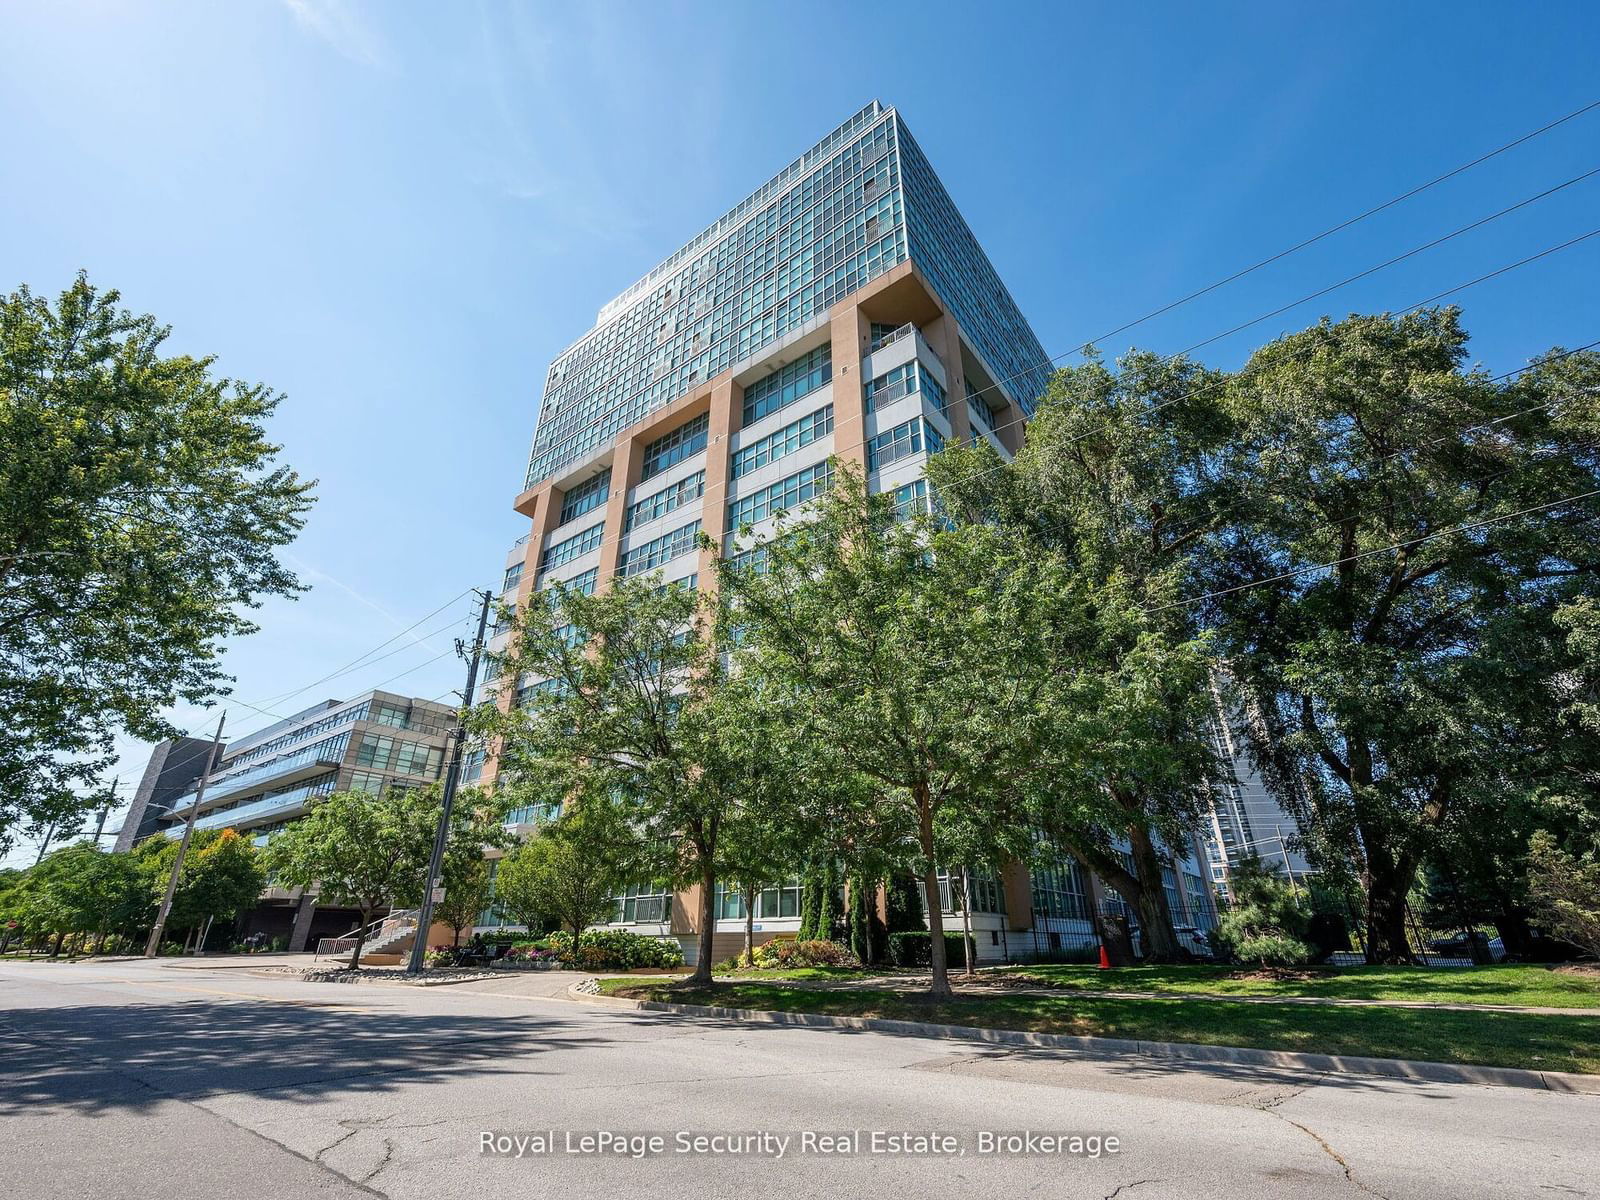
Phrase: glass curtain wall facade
[842,313]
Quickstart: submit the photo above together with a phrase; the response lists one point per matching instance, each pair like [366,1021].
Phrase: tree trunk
[1387,884]
[750,894]
[940,985]
[1155,914]
[361,939]
[56,950]
[577,942]
[966,920]
[708,923]
[1512,926]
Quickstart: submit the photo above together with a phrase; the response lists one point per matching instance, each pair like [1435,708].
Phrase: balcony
[283,804]
[303,764]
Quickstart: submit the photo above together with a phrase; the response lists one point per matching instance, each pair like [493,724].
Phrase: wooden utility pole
[154,944]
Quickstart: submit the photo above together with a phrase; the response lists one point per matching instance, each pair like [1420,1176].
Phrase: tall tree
[359,850]
[223,875]
[83,890]
[907,647]
[635,700]
[1118,482]
[572,869]
[1407,677]
[141,507]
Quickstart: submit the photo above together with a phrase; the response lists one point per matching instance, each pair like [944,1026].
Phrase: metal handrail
[372,936]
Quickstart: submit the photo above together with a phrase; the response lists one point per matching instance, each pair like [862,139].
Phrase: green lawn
[1509,984]
[1554,1043]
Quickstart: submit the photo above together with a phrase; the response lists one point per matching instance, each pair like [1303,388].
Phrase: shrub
[1266,923]
[814,953]
[618,950]
[915,949]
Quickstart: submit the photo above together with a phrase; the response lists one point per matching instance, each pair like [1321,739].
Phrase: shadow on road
[96,1058]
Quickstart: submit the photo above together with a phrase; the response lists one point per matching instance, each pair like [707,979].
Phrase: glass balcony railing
[321,757]
[268,806]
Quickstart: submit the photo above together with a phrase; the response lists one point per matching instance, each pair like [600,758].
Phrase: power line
[1365,554]
[612,538]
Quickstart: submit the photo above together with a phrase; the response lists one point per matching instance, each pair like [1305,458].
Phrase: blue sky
[396,214]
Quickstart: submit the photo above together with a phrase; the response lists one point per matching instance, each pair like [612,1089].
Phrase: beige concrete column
[944,336]
[848,330]
[624,476]
[1018,886]
[727,416]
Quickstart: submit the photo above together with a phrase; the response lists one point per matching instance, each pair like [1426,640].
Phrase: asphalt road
[158,1080]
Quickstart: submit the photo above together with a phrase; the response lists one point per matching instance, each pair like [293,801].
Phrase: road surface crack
[1122,1187]
[1349,1171]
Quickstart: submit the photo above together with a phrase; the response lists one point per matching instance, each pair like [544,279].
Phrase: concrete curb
[1330,1064]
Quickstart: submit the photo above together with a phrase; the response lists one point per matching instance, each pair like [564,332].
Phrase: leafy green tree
[572,869]
[1411,679]
[466,894]
[1118,484]
[83,890]
[141,508]
[638,703]
[223,875]
[359,850]
[1565,891]
[907,648]
[477,824]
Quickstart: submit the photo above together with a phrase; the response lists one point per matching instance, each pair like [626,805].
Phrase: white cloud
[336,23]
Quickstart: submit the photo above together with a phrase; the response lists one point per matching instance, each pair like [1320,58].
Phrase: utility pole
[154,944]
[435,880]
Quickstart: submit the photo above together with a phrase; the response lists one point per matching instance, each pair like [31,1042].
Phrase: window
[979,408]
[788,384]
[658,551]
[902,381]
[582,584]
[902,442]
[398,755]
[659,504]
[786,493]
[527,694]
[784,442]
[988,896]
[1058,891]
[910,500]
[672,448]
[646,904]
[504,619]
[560,553]
[585,497]
[513,577]
[774,902]
[388,714]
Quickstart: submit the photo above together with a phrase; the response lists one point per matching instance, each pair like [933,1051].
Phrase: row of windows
[942,245]
[659,551]
[347,716]
[659,504]
[398,755]
[560,553]
[784,442]
[903,441]
[586,497]
[782,900]
[1059,892]
[763,278]
[582,584]
[672,448]
[788,384]
[786,493]
[529,692]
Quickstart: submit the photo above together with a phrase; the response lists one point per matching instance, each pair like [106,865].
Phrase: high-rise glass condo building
[842,312]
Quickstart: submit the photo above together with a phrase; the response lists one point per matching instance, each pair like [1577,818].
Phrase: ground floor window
[988,895]
[644,904]
[772,903]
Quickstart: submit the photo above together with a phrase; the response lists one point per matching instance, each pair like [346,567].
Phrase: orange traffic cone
[1105,959]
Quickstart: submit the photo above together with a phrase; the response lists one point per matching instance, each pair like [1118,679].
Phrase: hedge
[915,949]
